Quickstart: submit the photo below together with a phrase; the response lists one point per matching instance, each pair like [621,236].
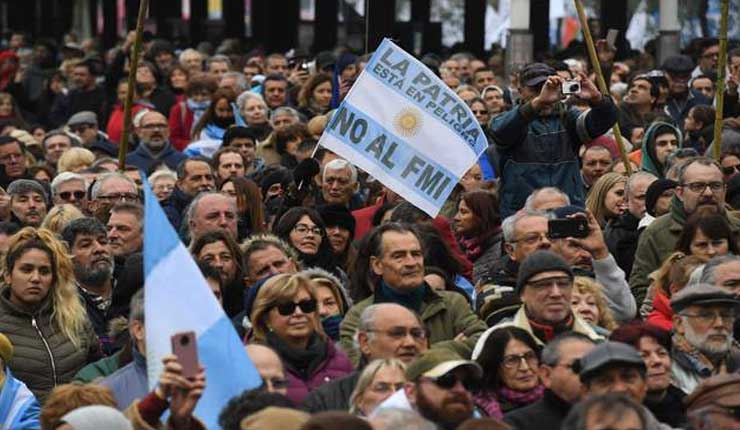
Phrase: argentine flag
[177,299]
[404,126]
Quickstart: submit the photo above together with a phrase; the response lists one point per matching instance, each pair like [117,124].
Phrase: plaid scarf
[691,357]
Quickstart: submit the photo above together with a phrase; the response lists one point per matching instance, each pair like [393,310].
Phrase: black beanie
[337,215]
[654,191]
[538,262]
[280,176]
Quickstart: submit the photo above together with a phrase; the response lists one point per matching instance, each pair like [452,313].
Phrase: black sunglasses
[79,195]
[450,379]
[288,308]
[729,170]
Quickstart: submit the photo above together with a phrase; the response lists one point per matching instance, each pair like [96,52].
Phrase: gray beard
[700,342]
[95,277]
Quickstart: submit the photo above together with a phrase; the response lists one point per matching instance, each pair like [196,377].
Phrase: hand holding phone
[567,227]
[185,348]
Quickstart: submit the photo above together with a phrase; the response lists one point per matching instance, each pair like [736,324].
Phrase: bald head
[153,131]
[269,367]
[388,330]
[212,211]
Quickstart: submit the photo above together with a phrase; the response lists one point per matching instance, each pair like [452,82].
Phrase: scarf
[303,362]
[410,299]
[511,399]
[546,332]
[472,248]
[692,357]
[197,108]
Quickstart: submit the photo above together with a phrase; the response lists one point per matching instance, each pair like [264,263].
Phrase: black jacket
[546,413]
[332,396]
[174,207]
[670,409]
[621,237]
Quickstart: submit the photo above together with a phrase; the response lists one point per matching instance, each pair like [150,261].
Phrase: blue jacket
[145,160]
[19,409]
[541,151]
[129,382]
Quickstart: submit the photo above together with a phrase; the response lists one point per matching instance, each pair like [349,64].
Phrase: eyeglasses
[533,238]
[304,229]
[288,308]
[153,126]
[450,379]
[562,283]
[729,170]
[480,112]
[66,195]
[707,317]
[699,187]
[514,361]
[398,333]
[119,197]
[80,128]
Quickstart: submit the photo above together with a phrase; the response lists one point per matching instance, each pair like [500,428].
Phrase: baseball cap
[437,362]
[606,354]
[534,74]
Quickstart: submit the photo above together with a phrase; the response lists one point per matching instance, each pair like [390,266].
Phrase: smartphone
[567,227]
[185,348]
[611,38]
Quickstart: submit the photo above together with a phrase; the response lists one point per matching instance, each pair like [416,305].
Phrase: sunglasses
[288,308]
[729,170]
[66,195]
[450,379]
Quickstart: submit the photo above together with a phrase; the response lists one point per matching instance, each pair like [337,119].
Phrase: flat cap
[702,294]
[719,390]
[678,64]
[83,117]
[538,262]
[534,74]
[606,354]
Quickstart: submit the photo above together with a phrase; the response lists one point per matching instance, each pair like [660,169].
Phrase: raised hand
[589,91]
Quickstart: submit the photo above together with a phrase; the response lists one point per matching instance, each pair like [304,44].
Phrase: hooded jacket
[650,161]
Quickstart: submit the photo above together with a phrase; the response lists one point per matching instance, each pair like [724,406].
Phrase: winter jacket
[145,160]
[657,242]
[670,409]
[662,314]
[332,396]
[19,409]
[487,260]
[364,218]
[621,235]
[181,121]
[687,371]
[129,382]
[44,357]
[445,314]
[77,100]
[616,289]
[542,150]
[98,369]
[650,161]
[679,110]
[546,413]
[174,207]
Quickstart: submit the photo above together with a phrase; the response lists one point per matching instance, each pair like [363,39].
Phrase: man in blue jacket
[538,140]
[154,145]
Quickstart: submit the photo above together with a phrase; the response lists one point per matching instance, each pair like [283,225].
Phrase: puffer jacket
[650,161]
[483,265]
[621,235]
[662,313]
[44,357]
[542,150]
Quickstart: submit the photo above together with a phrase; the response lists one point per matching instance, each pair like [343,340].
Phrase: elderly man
[195,175]
[13,159]
[546,199]
[27,202]
[524,233]
[269,366]
[621,234]
[266,255]
[562,386]
[154,144]
[595,161]
[681,98]
[386,330]
[703,319]
[714,403]
[723,272]
[109,189]
[339,184]
[700,190]
[544,285]
[70,188]
[192,60]
[397,268]
[211,211]
[56,143]
[85,126]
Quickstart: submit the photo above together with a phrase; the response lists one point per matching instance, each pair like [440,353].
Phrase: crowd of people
[560,287]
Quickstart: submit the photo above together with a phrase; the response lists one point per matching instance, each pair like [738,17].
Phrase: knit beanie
[654,191]
[538,262]
[96,417]
[6,349]
[336,215]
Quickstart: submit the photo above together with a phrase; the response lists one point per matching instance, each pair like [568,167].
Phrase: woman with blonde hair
[41,312]
[59,216]
[589,303]
[284,317]
[75,160]
[606,198]
[377,381]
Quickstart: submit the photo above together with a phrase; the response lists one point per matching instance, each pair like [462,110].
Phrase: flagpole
[721,70]
[123,147]
[600,80]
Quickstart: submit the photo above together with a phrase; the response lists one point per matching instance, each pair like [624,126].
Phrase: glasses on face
[154,126]
[119,197]
[304,229]
[533,238]
[708,317]
[729,170]
[699,187]
[398,333]
[307,306]
[562,283]
[450,379]
[80,128]
[514,361]
[66,195]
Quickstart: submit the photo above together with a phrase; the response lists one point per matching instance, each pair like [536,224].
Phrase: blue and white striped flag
[407,128]
[177,299]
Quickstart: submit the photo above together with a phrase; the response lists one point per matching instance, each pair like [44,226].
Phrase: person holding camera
[538,141]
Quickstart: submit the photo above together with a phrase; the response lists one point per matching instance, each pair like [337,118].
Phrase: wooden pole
[133,64]
[721,70]
[600,80]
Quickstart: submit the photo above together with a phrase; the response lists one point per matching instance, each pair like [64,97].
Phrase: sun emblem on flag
[408,122]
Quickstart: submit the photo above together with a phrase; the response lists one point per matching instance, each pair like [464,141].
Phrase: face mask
[223,122]
[331,326]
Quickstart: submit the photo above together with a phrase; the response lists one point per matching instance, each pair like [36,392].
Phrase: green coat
[445,314]
[98,369]
[657,242]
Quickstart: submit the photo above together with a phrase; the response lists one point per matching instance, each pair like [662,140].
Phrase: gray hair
[187,52]
[218,59]
[710,268]
[162,173]
[244,97]
[366,378]
[397,418]
[635,178]
[704,161]
[613,405]
[286,110]
[511,221]
[65,177]
[551,353]
[25,186]
[528,204]
[73,139]
[340,164]
[193,206]
[136,312]
[105,177]
[241,81]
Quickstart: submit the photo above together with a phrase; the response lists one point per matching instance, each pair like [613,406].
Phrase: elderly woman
[510,359]
[284,316]
[332,300]
[163,183]
[606,198]
[254,110]
[477,226]
[378,381]
[589,303]
[41,312]
[663,399]
[75,160]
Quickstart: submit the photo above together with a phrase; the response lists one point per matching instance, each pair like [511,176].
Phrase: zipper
[48,349]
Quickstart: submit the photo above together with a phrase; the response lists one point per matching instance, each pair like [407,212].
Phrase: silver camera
[571,87]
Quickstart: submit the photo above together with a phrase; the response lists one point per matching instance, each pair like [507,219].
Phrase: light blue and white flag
[177,299]
[405,127]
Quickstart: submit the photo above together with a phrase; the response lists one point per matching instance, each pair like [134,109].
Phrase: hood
[650,162]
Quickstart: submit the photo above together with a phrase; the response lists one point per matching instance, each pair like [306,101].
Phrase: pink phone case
[185,348]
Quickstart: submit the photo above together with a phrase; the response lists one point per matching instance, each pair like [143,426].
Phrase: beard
[443,415]
[706,346]
[94,276]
